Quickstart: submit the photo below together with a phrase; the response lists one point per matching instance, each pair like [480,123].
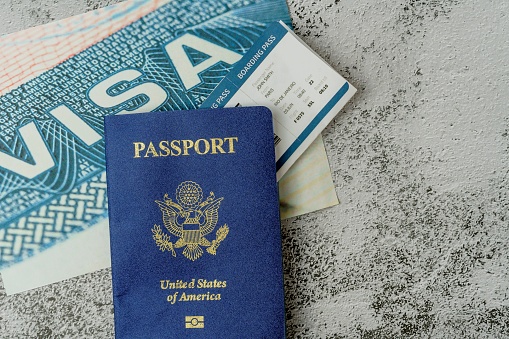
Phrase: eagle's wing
[170,212]
[211,216]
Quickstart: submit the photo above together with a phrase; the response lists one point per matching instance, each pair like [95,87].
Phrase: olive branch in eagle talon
[190,218]
[163,240]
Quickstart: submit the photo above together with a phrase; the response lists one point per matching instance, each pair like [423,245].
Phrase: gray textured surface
[419,246]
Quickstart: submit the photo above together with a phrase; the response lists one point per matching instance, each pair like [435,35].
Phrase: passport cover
[194,224]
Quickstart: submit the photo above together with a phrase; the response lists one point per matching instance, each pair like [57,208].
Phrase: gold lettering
[204,283]
[164,284]
[138,147]
[152,150]
[196,297]
[172,298]
[197,146]
[187,145]
[164,148]
[176,148]
[230,143]
[163,145]
[183,297]
[217,144]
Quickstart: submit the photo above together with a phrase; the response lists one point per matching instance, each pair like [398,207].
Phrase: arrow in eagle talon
[221,234]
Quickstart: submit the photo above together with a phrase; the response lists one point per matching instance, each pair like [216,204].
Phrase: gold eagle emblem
[190,218]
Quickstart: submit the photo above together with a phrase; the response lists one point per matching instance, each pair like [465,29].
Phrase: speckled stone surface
[419,246]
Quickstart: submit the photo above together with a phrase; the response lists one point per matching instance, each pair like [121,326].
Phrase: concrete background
[419,246]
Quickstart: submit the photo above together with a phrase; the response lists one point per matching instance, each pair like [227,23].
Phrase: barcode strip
[276,139]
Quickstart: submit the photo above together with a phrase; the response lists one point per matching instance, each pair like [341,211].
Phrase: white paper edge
[82,253]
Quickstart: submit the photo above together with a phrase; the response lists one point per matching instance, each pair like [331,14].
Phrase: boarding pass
[282,73]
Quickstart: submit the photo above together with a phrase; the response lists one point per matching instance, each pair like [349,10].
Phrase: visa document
[58,81]
[303,92]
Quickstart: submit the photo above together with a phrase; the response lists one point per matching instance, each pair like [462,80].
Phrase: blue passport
[194,224]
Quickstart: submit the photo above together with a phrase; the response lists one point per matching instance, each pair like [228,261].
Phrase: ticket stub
[282,73]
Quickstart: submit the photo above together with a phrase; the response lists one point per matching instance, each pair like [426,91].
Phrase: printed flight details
[303,92]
